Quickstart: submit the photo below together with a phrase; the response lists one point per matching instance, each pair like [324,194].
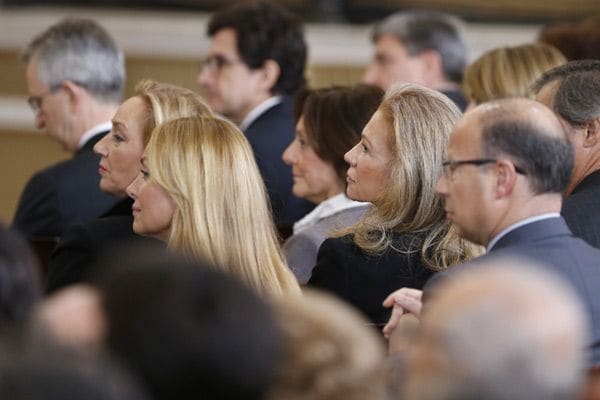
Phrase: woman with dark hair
[329,123]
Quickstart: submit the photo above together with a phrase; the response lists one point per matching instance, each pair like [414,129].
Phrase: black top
[64,194]
[581,209]
[81,246]
[365,280]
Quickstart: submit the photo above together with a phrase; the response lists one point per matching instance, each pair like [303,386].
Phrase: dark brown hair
[334,118]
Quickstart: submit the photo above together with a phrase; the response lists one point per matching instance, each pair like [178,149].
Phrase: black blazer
[63,194]
[581,209]
[81,246]
[269,135]
[551,244]
[365,280]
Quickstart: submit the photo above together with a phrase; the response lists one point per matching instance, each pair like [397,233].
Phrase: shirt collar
[326,208]
[103,127]
[258,111]
[519,224]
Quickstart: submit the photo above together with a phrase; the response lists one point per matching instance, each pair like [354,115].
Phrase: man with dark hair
[75,75]
[254,66]
[508,164]
[419,47]
[573,92]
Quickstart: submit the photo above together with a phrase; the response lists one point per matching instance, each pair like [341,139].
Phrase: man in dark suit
[573,92]
[75,75]
[255,64]
[509,162]
[421,47]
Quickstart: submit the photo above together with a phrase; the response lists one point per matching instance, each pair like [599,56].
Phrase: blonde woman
[120,151]
[201,192]
[508,71]
[404,237]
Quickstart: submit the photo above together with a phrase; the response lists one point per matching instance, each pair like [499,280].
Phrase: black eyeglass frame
[477,162]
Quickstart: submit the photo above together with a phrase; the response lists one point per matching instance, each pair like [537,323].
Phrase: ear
[270,74]
[506,178]
[76,94]
[432,67]
[592,133]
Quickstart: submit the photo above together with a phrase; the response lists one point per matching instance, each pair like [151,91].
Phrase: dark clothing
[551,244]
[581,209]
[81,246]
[269,135]
[365,280]
[63,194]
[457,97]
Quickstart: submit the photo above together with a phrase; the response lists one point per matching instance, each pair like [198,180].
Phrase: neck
[519,211]
[90,116]
[239,117]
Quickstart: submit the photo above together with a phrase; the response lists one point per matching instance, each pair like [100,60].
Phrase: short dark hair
[267,31]
[546,159]
[187,329]
[577,98]
[334,118]
[428,30]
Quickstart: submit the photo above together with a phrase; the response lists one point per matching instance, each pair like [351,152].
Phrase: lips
[135,209]
[102,169]
[349,180]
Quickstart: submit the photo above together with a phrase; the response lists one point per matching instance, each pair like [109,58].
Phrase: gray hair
[425,30]
[577,98]
[520,334]
[81,51]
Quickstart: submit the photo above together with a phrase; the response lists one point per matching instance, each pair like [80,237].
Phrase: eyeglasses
[35,102]
[450,166]
[217,62]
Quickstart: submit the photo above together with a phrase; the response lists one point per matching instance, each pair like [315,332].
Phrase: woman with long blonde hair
[405,236]
[200,191]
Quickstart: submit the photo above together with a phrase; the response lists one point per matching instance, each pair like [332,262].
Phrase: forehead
[130,108]
[224,42]
[33,80]
[465,137]
[546,94]
[387,43]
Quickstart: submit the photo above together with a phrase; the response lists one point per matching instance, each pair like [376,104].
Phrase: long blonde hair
[509,71]
[222,213]
[419,122]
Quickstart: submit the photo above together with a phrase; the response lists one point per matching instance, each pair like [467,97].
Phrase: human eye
[117,136]
[363,147]
[145,174]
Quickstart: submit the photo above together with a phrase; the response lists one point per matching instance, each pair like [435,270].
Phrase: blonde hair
[419,122]
[329,352]
[165,102]
[222,213]
[509,71]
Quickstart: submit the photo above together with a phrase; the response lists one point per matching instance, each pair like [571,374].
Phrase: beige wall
[22,152]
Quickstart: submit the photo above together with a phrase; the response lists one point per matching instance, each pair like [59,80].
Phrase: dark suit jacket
[581,209]
[63,194]
[81,246]
[365,280]
[269,136]
[551,244]
[457,98]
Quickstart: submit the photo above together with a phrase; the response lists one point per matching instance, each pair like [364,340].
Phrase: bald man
[505,332]
[509,162]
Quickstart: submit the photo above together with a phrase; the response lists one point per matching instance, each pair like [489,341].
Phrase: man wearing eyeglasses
[75,75]
[509,162]
[255,64]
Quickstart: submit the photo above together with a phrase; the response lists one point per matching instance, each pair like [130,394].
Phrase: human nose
[205,77]
[100,146]
[370,75]
[350,156]
[133,188]
[289,155]
[441,186]
[40,123]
